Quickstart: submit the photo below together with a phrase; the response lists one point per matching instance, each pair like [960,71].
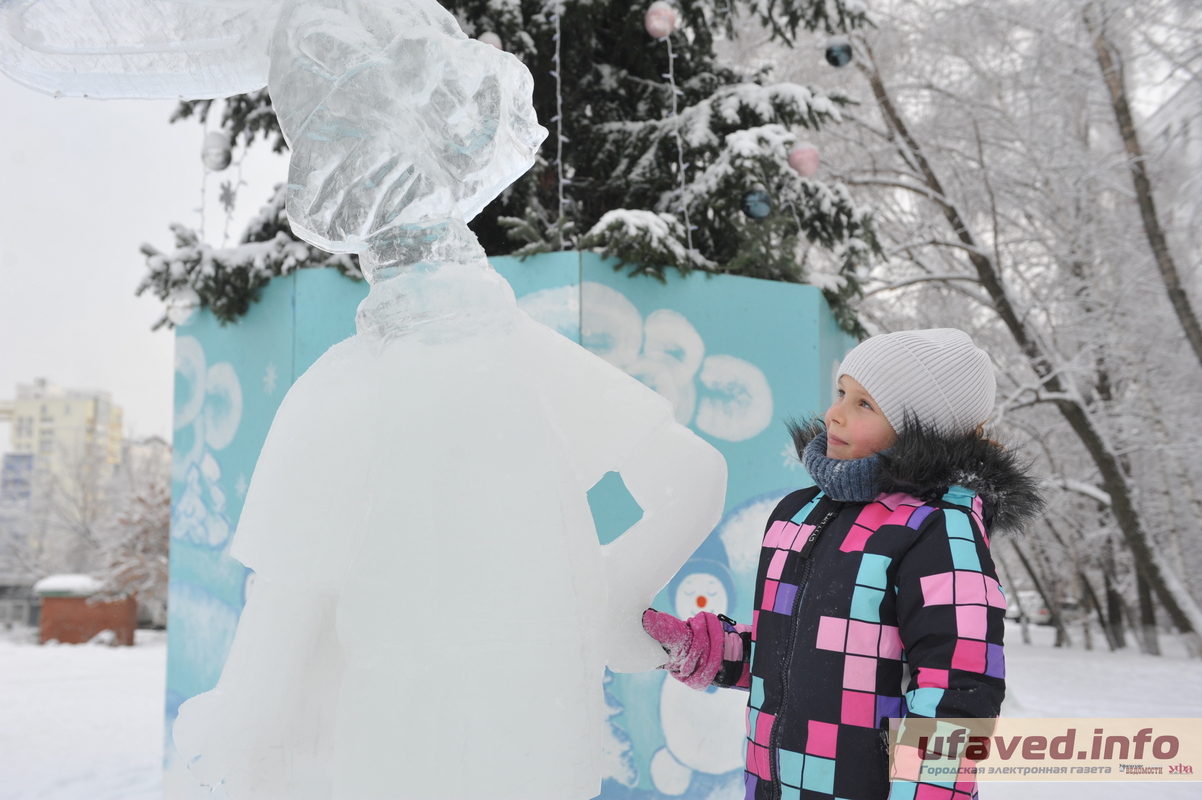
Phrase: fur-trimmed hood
[925,464]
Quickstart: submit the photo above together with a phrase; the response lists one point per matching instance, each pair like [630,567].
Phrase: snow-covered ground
[85,722]
[82,722]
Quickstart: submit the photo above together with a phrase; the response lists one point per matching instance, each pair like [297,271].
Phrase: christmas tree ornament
[488,37]
[804,159]
[660,20]
[838,52]
[757,204]
[215,153]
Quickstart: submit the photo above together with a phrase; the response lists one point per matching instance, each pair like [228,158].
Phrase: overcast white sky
[82,184]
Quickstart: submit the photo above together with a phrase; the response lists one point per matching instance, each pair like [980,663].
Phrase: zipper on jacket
[773,737]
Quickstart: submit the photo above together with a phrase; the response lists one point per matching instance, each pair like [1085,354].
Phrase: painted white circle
[610,325]
[701,591]
[669,333]
[658,372]
[223,405]
[558,309]
[669,775]
[189,380]
[704,730]
[739,405]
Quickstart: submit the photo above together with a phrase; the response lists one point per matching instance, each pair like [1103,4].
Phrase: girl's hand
[694,648]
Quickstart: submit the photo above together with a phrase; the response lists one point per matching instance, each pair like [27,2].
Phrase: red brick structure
[70,616]
[72,620]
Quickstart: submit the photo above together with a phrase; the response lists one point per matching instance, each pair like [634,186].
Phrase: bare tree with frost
[1002,190]
[134,558]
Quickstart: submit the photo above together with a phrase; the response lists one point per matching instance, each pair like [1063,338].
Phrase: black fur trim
[925,463]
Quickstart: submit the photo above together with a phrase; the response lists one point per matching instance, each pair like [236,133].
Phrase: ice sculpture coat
[866,611]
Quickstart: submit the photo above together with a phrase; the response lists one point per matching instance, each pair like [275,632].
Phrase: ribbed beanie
[939,376]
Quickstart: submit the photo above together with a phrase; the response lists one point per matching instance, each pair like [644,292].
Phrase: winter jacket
[866,611]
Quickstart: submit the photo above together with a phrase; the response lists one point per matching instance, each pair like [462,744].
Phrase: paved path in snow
[86,723]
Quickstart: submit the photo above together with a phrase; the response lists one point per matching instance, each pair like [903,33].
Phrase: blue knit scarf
[852,481]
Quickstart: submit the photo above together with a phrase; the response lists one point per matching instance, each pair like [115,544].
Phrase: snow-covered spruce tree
[623,133]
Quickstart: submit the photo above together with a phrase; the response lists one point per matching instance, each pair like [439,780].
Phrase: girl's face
[855,426]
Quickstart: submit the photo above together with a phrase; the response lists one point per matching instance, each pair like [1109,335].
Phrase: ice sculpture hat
[937,377]
[396,119]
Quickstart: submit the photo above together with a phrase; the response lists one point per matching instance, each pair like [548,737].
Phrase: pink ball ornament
[804,159]
[660,20]
[488,37]
[216,151]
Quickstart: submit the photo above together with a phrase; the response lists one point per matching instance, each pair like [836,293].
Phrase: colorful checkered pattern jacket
[866,611]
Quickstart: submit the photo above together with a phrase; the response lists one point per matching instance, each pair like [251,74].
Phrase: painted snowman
[703,731]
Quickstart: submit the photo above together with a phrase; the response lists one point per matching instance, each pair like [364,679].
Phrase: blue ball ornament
[757,204]
[838,52]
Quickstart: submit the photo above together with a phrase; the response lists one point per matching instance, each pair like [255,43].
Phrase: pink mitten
[694,648]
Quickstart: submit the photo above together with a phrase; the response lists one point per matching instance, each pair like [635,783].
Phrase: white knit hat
[938,376]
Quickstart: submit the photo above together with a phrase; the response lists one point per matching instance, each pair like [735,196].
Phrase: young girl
[876,596]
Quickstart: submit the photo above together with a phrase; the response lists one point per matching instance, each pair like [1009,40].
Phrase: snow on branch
[1080,487]
[635,236]
[228,280]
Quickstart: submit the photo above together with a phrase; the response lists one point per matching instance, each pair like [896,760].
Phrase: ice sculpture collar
[854,481]
[433,281]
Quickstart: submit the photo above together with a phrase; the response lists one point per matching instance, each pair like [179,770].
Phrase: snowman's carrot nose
[701,601]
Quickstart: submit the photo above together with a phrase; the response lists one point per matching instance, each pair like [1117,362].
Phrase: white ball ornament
[488,37]
[660,20]
[804,159]
[215,153]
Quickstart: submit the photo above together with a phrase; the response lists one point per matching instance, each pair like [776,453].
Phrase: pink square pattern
[873,515]
[970,587]
[862,637]
[855,539]
[803,535]
[896,500]
[777,564]
[774,530]
[757,761]
[832,633]
[859,708]
[769,594]
[822,738]
[859,673]
[937,589]
[927,791]
[969,656]
[789,536]
[971,622]
[859,638]
[993,593]
[929,678]
[763,728]
[906,763]
[891,643]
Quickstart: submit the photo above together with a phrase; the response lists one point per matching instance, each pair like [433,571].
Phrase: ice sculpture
[432,611]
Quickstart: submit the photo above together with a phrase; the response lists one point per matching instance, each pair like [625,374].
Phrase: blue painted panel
[736,356]
[325,305]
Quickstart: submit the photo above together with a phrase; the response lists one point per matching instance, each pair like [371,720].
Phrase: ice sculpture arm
[272,696]
[680,482]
